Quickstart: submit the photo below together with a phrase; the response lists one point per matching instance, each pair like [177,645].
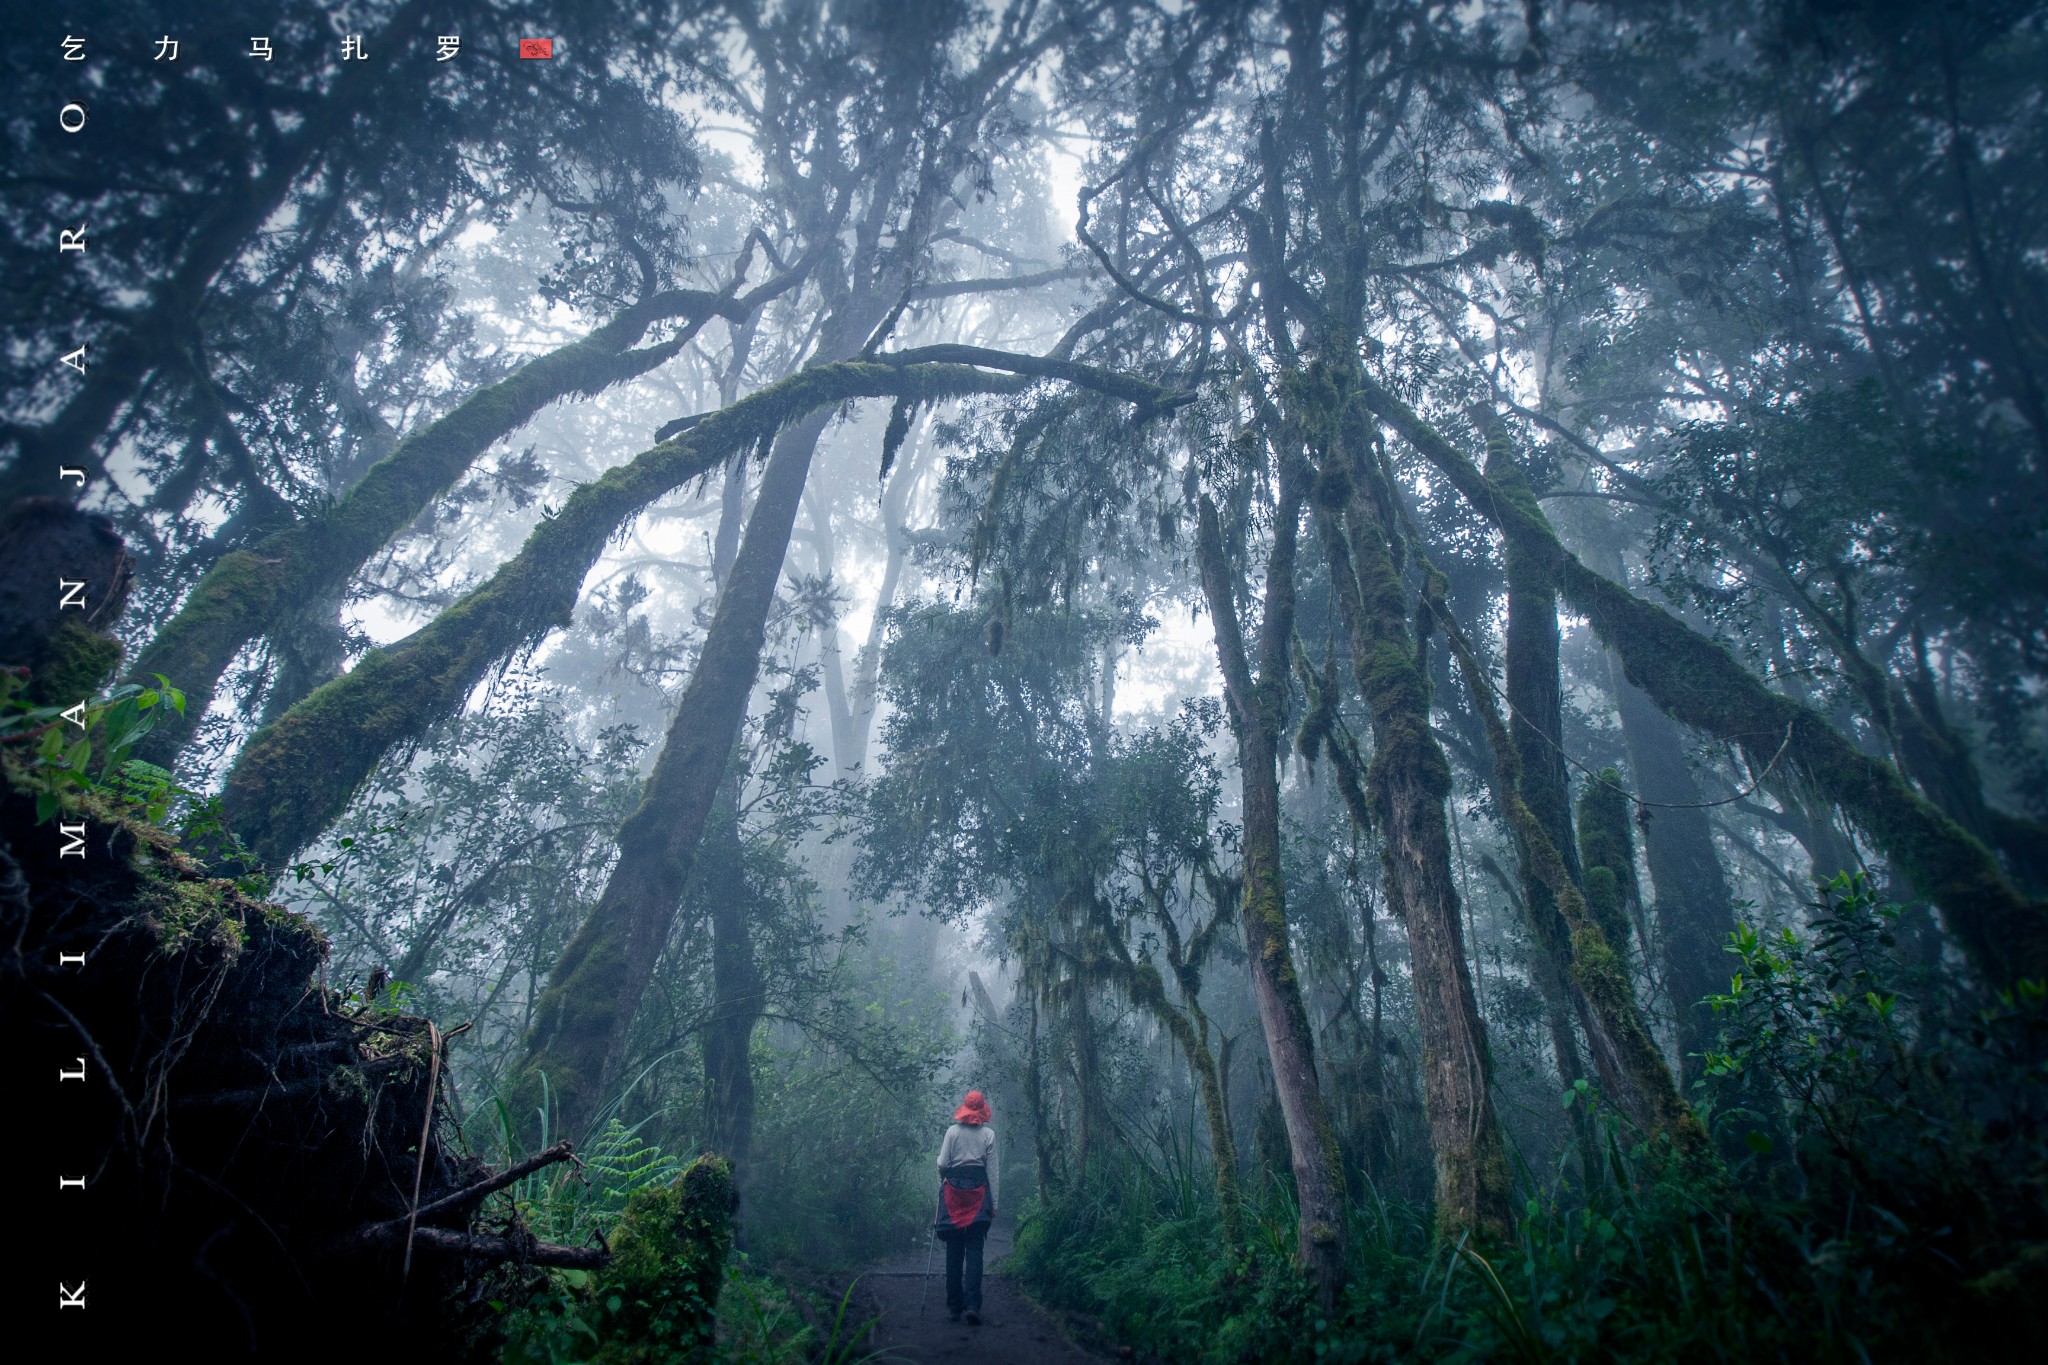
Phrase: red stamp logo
[541,48]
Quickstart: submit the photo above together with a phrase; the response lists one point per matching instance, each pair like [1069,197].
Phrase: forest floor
[912,1323]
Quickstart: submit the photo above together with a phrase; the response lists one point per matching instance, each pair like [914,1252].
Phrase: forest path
[1013,1330]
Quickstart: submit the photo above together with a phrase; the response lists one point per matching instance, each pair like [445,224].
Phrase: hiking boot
[973,1318]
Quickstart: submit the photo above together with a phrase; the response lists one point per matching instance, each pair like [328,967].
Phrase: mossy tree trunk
[1407,783]
[1185,958]
[1093,1112]
[1256,708]
[1042,1146]
[1147,989]
[1694,680]
[1535,695]
[581,1021]
[1607,858]
[1646,1091]
[251,592]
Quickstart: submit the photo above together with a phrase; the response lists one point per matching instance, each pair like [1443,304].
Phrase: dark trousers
[963,1269]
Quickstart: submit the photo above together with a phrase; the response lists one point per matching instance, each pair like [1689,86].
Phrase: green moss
[75,660]
[1607,853]
[1698,682]
[221,614]
[657,1300]
[186,912]
[237,599]
[575,1017]
[1594,966]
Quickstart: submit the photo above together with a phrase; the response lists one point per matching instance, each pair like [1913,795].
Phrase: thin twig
[419,1170]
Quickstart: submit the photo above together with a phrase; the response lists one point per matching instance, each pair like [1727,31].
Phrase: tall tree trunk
[895,528]
[1694,680]
[736,1004]
[581,1020]
[831,662]
[1694,906]
[1255,714]
[1548,968]
[1646,1091]
[1535,693]
[720,879]
[1034,1095]
[1607,861]
[1407,782]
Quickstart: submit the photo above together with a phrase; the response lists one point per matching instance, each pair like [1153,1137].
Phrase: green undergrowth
[675,1291]
[758,1318]
[1885,1198]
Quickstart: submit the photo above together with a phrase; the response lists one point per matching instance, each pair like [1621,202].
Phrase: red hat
[974,1109]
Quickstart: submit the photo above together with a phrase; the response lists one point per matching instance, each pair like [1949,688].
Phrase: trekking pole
[926,1296]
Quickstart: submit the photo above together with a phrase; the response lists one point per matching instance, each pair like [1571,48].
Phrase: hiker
[967,1204]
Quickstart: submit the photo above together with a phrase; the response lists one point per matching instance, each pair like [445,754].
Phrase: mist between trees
[1415,634]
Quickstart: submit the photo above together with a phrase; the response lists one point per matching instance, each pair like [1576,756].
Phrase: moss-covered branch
[580,1023]
[242,595]
[295,776]
[1696,681]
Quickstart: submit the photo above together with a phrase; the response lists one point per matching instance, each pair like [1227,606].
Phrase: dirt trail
[1013,1330]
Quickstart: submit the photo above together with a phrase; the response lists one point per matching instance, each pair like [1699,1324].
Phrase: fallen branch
[393,1228]
[524,1249]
